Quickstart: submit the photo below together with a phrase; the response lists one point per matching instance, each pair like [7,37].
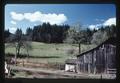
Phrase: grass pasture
[50,53]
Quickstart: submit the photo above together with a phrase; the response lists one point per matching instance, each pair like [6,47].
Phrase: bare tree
[27,46]
[16,40]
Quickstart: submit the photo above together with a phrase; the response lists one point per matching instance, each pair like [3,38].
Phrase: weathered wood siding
[98,60]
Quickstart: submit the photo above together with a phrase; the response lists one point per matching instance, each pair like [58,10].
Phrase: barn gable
[112,41]
[99,59]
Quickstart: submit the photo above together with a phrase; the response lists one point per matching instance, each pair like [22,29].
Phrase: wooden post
[78,66]
[89,68]
[94,61]
[23,63]
[79,48]
[84,63]
[15,58]
[106,58]
[101,76]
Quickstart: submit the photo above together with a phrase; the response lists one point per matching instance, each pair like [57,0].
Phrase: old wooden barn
[101,59]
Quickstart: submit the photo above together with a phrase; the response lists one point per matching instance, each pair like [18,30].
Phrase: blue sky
[29,15]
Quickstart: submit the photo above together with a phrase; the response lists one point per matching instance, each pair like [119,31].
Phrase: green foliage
[6,35]
[70,36]
[87,36]
[71,51]
[29,34]
[99,37]
[111,30]
[103,34]
[49,33]
[75,37]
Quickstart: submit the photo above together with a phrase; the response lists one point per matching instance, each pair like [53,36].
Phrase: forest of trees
[48,33]
[57,34]
[64,34]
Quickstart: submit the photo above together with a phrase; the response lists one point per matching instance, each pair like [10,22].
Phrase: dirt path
[59,73]
[56,72]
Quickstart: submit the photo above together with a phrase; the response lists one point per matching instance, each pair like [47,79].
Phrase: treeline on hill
[48,33]
[44,33]
[65,34]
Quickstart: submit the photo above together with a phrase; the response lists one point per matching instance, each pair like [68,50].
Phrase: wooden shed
[70,65]
[101,59]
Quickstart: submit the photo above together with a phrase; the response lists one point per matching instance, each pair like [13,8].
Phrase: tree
[19,40]
[29,33]
[111,30]
[70,36]
[27,46]
[99,37]
[16,40]
[89,34]
[6,35]
[50,33]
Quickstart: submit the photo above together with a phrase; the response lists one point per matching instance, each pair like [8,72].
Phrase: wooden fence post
[79,48]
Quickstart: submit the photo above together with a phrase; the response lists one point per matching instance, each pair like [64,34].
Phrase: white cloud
[33,16]
[91,27]
[94,26]
[52,18]
[110,21]
[16,16]
[13,22]
[12,29]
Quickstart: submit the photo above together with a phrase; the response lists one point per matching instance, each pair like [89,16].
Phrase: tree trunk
[18,52]
[27,56]
[16,56]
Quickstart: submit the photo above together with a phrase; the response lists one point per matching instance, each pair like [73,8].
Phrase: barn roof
[71,61]
[111,40]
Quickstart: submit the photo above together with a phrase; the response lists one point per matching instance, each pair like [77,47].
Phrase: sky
[87,15]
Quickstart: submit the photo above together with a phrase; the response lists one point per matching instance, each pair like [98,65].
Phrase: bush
[71,51]
[69,40]
[99,37]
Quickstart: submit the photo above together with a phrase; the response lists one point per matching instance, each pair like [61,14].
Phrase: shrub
[71,51]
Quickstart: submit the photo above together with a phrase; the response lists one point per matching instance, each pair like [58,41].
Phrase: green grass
[51,50]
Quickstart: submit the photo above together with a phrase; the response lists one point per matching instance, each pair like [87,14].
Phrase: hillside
[46,53]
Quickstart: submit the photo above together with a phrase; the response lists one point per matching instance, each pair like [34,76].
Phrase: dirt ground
[26,72]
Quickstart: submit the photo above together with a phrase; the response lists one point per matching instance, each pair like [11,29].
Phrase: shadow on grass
[24,56]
